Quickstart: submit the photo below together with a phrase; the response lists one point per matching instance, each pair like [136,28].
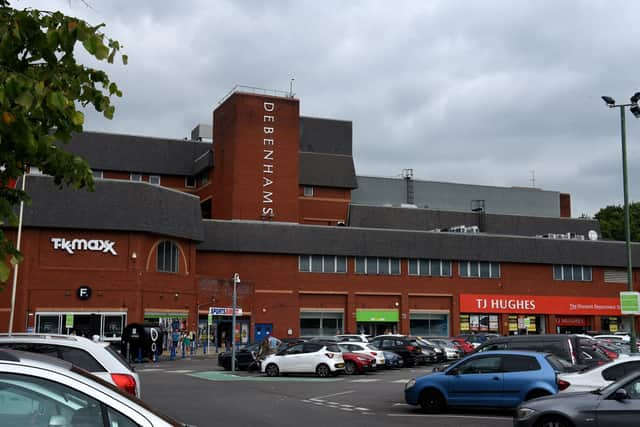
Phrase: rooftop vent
[202,133]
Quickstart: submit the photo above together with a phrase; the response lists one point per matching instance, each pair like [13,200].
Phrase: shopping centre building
[275,198]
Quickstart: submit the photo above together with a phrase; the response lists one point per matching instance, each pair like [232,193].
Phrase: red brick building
[272,199]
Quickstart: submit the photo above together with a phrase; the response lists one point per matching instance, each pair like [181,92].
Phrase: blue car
[501,379]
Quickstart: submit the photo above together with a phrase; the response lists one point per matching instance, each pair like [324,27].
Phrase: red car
[358,363]
[463,345]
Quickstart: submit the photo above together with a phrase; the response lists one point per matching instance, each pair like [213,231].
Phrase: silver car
[47,391]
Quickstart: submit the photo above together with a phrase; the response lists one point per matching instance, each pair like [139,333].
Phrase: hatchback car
[364,348]
[324,359]
[600,376]
[355,363]
[404,347]
[99,358]
[493,379]
[245,357]
[44,391]
[617,405]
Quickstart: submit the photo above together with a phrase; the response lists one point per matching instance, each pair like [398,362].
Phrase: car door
[476,382]
[621,413]
[310,358]
[518,373]
[289,359]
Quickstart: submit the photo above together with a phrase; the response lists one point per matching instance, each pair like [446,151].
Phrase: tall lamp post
[236,280]
[635,110]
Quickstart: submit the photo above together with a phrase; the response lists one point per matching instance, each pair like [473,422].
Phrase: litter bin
[141,341]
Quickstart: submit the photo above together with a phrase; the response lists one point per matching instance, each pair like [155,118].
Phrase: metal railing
[256,91]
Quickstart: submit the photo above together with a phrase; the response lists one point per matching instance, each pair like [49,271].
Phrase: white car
[324,359]
[613,338]
[600,376]
[44,391]
[96,357]
[361,347]
[353,338]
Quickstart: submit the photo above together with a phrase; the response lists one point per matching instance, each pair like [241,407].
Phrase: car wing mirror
[620,394]
[453,371]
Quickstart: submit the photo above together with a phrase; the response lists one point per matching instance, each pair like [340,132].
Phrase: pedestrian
[223,339]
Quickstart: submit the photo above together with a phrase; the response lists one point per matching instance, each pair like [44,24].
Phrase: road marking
[331,395]
[227,376]
[149,370]
[181,371]
[371,380]
[347,409]
[346,406]
[451,416]
[400,404]
[362,409]
[341,406]
[398,382]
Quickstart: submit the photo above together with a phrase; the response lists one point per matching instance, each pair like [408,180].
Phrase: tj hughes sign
[96,245]
[522,304]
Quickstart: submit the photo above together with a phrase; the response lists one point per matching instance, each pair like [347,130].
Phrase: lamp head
[609,100]
[635,110]
[635,98]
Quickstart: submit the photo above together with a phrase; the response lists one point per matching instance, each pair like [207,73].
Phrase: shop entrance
[377,328]
[572,324]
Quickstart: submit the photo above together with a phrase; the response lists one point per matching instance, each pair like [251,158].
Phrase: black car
[407,348]
[245,357]
[617,404]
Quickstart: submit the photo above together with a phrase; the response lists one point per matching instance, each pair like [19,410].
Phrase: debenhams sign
[104,246]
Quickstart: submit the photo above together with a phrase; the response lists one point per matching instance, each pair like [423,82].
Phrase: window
[190,182]
[322,264]
[429,267]
[135,177]
[375,265]
[97,174]
[167,257]
[479,269]
[81,359]
[307,191]
[480,365]
[320,323]
[620,370]
[575,273]
[519,363]
[203,178]
[429,324]
[154,179]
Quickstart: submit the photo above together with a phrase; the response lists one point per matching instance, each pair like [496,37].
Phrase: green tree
[611,220]
[42,89]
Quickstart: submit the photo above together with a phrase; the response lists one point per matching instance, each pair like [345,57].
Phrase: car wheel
[554,421]
[323,371]
[535,394]
[350,368]
[272,370]
[432,401]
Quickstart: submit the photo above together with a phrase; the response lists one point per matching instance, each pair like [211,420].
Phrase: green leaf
[77,118]
[56,101]
[25,99]
[101,51]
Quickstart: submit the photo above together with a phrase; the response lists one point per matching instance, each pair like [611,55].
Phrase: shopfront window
[48,324]
[526,324]
[109,326]
[610,324]
[313,323]
[479,322]
[429,324]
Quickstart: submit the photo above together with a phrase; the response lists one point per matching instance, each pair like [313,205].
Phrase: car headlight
[362,359]
[410,384]
[523,413]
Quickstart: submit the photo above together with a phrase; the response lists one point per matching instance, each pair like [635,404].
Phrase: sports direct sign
[73,245]
[477,303]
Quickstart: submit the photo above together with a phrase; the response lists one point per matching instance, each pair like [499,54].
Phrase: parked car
[391,359]
[353,337]
[405,347]
[477,339]
[451,351]
[308,357]
[99,358]
[364,348]
[600,376]
[44,391]
[245,357]
[463,345]
[439,354]
[358,363]
[593,355]
[613,338]
[566,347]
[617,405]
[489,379]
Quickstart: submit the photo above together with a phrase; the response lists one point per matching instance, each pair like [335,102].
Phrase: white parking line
[369,380]
[398,382]
[149,370]
[331,395]
[181,371]
[451,416]
[400,404]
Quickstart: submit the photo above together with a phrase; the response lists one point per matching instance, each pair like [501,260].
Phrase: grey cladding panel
[114,205]
[256,237]
[327,170]
[325,136]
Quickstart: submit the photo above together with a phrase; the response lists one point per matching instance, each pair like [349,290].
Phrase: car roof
[33,359]
[512,352]
[58,338]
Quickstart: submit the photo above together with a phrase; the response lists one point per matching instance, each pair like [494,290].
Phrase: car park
[617,405]
[323,359]
[364,348]
[99,358]
[489,379]
[44,391]
[600,376]
[403,346]
[358,363]
[245,357]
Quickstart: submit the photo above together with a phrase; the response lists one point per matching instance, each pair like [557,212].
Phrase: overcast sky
[481,92]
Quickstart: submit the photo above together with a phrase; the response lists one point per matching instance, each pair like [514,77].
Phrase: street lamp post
[635,110]
[236,280]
